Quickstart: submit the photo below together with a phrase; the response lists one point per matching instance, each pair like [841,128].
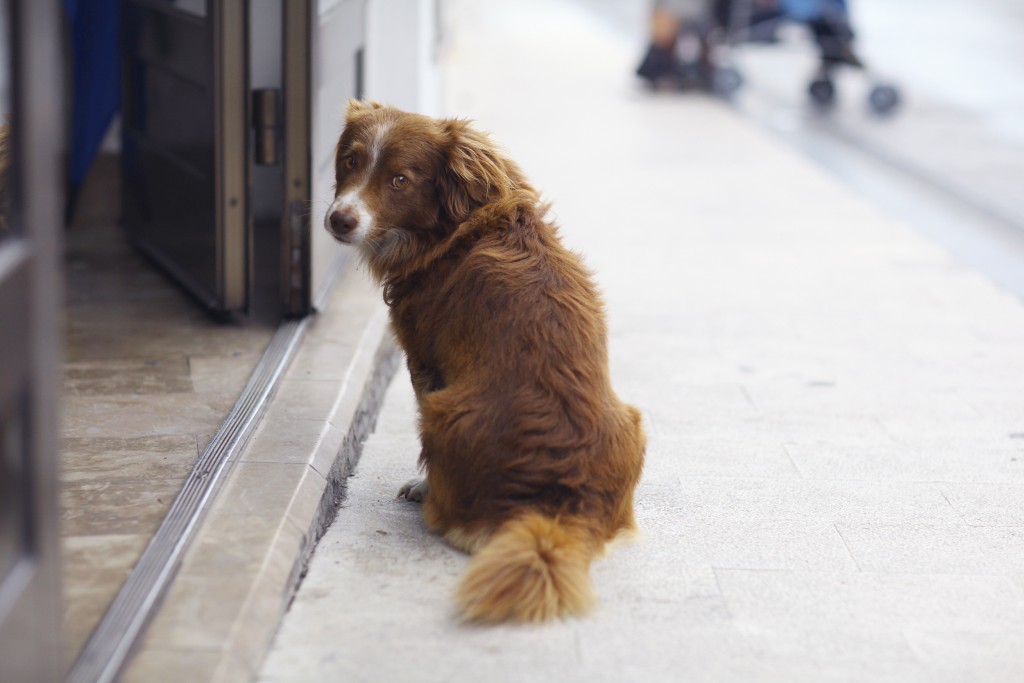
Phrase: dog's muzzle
[342,222]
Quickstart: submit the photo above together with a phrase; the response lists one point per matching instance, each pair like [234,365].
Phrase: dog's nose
[343,222]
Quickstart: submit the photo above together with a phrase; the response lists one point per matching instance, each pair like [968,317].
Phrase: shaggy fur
[531,459]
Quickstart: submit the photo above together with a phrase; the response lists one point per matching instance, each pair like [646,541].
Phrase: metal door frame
[295,242]
[231,161]
[30,603]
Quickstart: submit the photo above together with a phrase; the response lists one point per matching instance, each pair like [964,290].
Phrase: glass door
[30,178]
[186,143]
[204,104]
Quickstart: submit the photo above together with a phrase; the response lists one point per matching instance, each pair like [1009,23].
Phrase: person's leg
[660,60]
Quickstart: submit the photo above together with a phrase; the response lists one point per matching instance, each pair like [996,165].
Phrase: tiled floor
[148,378]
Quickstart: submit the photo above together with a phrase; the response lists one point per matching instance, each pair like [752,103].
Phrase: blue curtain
[94,27]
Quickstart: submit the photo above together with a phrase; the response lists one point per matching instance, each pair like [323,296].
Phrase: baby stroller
[729,23]
[829,23]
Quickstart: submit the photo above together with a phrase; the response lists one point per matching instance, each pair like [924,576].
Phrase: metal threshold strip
[107,649]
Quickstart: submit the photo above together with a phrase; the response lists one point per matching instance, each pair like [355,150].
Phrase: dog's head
[403,182]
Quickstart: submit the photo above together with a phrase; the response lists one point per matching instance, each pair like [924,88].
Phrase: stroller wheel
[725,81]
[822,92]
[884,99]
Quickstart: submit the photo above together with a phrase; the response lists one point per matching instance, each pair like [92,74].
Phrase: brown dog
[531,459]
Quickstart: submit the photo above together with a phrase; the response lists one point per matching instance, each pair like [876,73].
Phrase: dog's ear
[357,107]
[475,172]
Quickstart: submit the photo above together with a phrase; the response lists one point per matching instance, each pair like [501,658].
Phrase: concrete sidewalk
[834,488]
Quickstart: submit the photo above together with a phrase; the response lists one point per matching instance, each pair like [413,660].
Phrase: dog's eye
[399,182]
[349,161]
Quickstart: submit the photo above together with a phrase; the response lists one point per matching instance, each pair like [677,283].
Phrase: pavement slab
[833,481]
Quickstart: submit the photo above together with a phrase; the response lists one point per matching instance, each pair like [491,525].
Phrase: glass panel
[169,151]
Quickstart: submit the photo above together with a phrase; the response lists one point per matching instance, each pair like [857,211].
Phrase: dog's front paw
[415,490]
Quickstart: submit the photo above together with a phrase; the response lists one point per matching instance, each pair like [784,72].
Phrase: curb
[235,583]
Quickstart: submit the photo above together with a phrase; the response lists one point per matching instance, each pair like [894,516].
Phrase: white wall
[401,54]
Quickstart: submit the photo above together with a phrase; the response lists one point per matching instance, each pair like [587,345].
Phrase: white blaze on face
[379,134]
[352,200]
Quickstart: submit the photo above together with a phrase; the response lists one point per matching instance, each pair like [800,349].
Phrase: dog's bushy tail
[532,569]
